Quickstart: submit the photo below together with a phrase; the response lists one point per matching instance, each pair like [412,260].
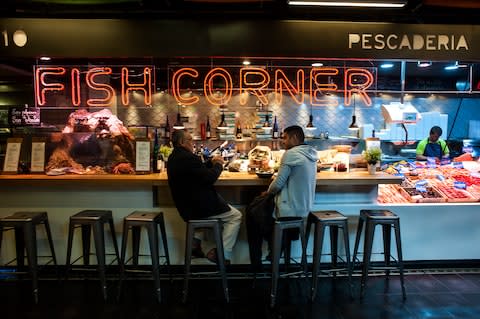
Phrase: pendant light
[223,124]
[178,124]
[266,124]
[353,125]
[310,125]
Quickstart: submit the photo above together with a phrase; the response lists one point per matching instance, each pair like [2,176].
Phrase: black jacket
[191,184]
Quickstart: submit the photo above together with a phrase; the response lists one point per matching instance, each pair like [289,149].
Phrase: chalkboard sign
[24,116]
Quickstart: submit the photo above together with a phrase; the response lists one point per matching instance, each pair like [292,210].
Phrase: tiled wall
[335,120]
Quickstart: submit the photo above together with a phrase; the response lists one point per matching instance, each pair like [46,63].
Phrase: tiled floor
[437,295]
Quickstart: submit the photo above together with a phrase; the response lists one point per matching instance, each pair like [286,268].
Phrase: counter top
[360,177]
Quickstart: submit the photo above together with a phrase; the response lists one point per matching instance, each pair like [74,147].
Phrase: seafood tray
[430,196]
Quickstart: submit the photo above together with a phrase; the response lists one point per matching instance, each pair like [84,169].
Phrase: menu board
[24,116]
[12,156]
[142,156]
[38,156]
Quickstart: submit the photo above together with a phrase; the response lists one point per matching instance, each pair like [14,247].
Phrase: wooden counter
[360,177]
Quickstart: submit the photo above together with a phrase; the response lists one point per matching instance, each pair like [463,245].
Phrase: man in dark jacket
[192,186]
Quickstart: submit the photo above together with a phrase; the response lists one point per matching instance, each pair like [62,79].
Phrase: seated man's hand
[217,159]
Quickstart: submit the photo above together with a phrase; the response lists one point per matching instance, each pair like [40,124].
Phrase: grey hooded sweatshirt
[295,184]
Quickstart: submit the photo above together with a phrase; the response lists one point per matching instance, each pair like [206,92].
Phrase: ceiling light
[353,125]
[45,58]
[424,64]
[246,62]
[317,64]
[358,3]
[310,125]
[178,124]
[223,124]
[386,65]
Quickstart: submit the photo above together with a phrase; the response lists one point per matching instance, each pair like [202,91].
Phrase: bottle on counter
[155,152]
[167,129]
[208,129]
[276,132]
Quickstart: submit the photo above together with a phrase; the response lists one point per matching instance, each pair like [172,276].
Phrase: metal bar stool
[216,226]
[280,226]
[388,220]
[24,225]
[96,220]
[336,221]
[151,221]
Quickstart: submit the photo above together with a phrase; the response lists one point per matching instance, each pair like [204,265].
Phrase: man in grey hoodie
[294,186]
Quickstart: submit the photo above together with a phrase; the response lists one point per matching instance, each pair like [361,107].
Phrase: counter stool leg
[153,240]
[317,254]
[31,247]
[188,258]
[114,240]
[347,257]
[276,251]
[357,241]
[400,258]
[304,250]
[369,231]
[387,241]
[50,243]
[86,233]
[221,261]
[100,250]
[165,246]
[20,246]
[123,252]
[136,234]
[71,229]
[334,246]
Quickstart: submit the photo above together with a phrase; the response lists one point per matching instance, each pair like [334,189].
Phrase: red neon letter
[254,87]
[208,88]
[40,75]
[281,82]
[176,86]
[76,97]
[354,85]
[317,88]
[109,91]
[146,86]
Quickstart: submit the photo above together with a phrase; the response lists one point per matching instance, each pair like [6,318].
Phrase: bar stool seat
[335,220]
[151,221]
[96,220]
[24,225]
[280,228]
[388,220]
[215,226]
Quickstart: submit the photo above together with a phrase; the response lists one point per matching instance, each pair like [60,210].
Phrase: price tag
[440,177]
[399,175]
[421,188]
[445,161]
[457,164]
[459,185]
[431,165]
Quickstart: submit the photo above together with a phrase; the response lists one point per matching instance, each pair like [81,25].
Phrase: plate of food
[265,174]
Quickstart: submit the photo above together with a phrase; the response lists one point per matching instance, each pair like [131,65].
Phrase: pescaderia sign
[104,86]
[393,41]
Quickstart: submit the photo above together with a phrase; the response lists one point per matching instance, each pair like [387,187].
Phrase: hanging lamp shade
[353,125]
[223,124]
[178,124]
[310,125]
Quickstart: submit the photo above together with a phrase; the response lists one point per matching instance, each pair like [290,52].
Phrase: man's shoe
[213,257]
[197,251]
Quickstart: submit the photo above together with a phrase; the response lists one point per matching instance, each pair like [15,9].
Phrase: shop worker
[432,146]
[192,187]
[293,188]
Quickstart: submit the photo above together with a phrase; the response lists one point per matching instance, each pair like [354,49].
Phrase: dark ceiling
[416,11]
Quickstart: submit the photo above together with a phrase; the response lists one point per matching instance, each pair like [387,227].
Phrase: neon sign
[100,86]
